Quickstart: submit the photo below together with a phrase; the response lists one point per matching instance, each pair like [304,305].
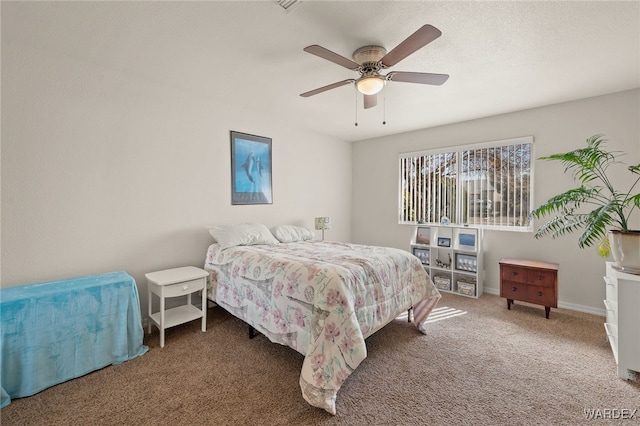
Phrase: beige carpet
[481,365]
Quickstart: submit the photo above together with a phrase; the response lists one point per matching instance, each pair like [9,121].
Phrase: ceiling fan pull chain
[356,92]
[384,109]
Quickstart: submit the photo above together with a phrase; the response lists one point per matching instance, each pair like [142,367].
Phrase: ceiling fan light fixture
[370,60]
[370,85]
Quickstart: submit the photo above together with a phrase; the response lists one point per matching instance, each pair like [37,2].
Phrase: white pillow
[245,234]
[291,233]
[212,230]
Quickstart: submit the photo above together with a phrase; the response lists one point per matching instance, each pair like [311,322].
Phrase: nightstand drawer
[513,290]
[541,295]
[513,273]
[187,287]
[541,277]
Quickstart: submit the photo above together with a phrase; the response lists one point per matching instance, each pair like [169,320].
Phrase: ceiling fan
[370,60]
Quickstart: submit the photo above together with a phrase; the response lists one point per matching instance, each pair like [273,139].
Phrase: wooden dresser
[529,281]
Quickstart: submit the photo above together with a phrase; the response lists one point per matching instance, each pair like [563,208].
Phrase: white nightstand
[173,283]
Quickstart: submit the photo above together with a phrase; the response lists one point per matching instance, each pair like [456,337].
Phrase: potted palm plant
[601,211]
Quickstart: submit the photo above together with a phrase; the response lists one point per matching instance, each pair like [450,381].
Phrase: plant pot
[625,248]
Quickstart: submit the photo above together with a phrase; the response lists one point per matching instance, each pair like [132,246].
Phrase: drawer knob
[513,274]
[540,277]
[540,293]
[186,287]
[514,288]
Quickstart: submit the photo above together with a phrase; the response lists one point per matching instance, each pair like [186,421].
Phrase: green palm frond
[595,226]
[588,166]
[571,199]
[560,225]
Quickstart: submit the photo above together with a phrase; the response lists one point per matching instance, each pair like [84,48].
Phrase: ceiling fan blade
[331,56]
[370,101]
[328,87]
[418,77]
[425,35]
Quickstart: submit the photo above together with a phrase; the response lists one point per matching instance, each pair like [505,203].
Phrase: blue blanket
[55,331]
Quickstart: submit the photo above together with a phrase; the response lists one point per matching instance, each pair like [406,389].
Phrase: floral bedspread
[321,299]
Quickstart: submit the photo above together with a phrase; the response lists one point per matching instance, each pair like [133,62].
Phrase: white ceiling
[501,56]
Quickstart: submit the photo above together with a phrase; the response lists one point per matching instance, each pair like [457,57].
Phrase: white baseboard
[561,304]
[582,308]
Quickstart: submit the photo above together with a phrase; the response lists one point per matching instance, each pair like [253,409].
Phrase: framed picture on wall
[251,179]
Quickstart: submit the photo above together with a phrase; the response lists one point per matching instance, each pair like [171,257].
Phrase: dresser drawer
[513,290]
[186,287]
[541,295]
[513,273]
[541,277]
[611,311]
[611,288]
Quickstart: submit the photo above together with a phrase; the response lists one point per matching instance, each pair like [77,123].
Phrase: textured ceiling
[501,56]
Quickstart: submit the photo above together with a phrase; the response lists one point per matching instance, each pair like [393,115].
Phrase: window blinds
[488,185]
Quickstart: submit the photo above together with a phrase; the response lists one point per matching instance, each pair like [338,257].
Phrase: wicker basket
[466,288]
[442,283]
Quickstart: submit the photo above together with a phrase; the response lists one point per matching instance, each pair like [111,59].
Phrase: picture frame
[423,235]
[423,254]
[466,262]
[467,240]
[444,242]
[251,169]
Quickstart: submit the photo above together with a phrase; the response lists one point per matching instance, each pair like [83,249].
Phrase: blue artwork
[467,240]
[251,169]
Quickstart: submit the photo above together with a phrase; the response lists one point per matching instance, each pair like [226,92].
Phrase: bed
[323,299]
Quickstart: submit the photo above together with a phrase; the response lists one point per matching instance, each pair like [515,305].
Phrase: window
[486,185]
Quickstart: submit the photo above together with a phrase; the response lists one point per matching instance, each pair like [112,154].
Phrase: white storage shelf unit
[452,256]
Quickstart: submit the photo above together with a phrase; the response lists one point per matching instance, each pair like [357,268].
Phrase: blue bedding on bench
[55,331]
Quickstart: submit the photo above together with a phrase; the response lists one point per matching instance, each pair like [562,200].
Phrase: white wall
[103,171]
[556,128]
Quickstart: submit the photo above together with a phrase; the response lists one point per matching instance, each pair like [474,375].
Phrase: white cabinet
[452,256]
[623,320]
[177,282]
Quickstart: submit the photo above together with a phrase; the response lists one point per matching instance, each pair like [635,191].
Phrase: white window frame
[460,187]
